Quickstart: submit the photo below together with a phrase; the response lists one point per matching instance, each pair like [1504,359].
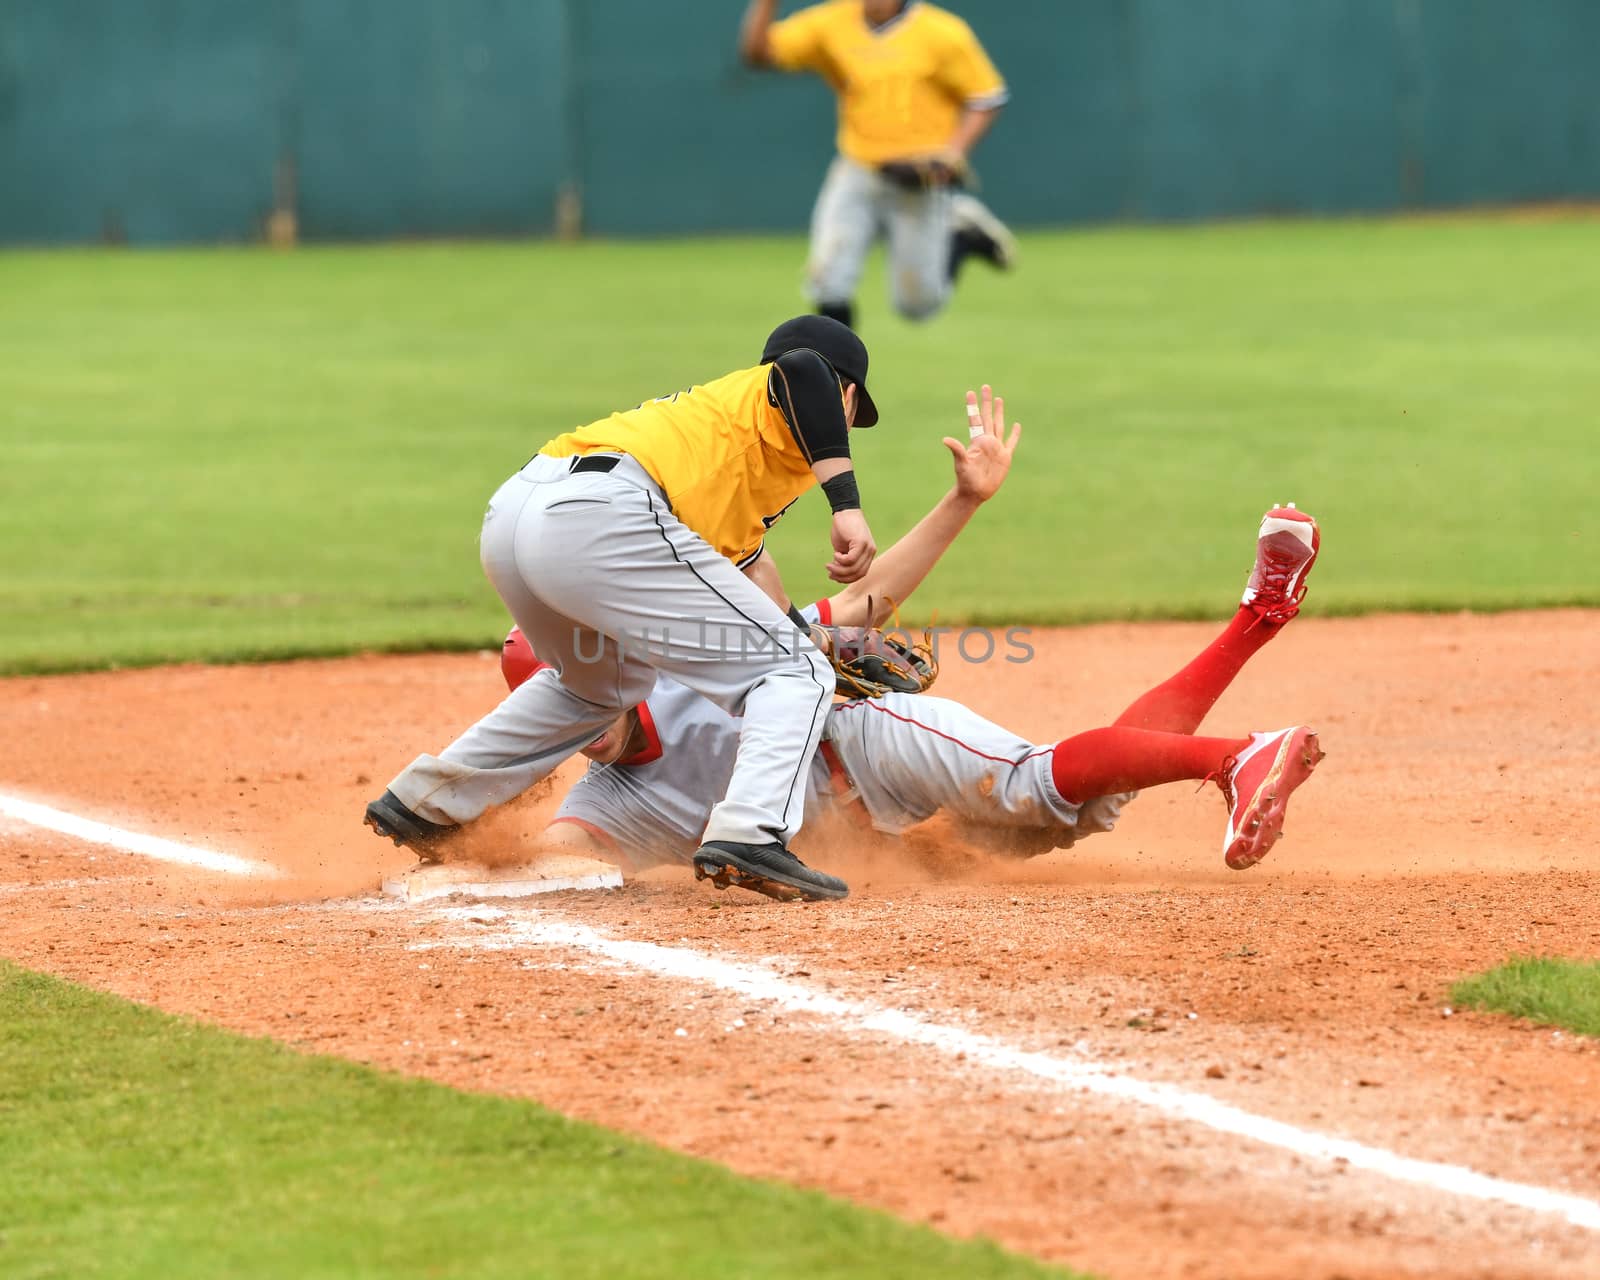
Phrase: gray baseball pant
[610,587]
[912,756]
[855,204]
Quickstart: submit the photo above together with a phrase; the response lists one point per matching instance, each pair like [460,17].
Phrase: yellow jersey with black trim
[902,87]
[723,454]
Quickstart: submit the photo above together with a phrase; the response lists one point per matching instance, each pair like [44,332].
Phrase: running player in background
[916,92]
[891,763]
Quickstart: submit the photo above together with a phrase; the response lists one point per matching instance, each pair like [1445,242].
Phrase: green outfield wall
[158,121]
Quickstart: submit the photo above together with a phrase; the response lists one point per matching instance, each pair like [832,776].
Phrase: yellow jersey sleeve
[965,71]
[799,42]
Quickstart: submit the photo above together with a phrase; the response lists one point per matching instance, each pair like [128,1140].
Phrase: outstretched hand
[982,463]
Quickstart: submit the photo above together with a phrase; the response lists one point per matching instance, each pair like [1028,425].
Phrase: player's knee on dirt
[1100,813]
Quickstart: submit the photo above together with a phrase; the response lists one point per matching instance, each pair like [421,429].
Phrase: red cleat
[1286,548]
[1257,784]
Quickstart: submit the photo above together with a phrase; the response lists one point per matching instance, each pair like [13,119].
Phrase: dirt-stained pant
[855,204]
[610,587]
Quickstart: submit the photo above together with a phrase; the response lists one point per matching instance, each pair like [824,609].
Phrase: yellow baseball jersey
[902,87]
[722,453]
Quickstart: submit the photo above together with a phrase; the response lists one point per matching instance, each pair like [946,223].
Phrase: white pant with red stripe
[910,756]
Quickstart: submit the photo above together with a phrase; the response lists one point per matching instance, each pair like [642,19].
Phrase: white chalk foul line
[69,824]
[757,983]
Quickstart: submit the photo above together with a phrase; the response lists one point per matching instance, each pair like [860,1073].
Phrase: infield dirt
[1450,825]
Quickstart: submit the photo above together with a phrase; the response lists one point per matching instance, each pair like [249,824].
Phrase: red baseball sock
[1179,705]
[1118,758]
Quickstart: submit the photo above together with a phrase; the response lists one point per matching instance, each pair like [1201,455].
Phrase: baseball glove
[926,173]
[869,664]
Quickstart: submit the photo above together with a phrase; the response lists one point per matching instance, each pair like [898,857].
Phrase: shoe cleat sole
[379,829]
[1265,827]
[728,876]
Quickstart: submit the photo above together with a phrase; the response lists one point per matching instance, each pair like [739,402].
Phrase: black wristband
[798,618]
[842,492]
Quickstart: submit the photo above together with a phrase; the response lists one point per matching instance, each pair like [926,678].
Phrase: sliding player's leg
[1286,548]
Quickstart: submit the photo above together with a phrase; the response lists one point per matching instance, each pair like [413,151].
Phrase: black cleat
[977,233]
[764,868]
[389,818]
[843,312]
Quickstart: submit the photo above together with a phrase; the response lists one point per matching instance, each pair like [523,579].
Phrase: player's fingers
[857,555]
[846,572]
[997,424]
[956,448]
[1016,434]
[974,417]
[988,408]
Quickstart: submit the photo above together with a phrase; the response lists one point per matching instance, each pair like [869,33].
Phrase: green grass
[134,1144]
[1545,989]
[243,453]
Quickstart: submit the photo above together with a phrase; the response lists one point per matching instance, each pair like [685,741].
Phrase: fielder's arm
[753,30]
[968,75]
[763,571]
[981,466]
[950,164]
[974,123]
[795,43]
[820,410]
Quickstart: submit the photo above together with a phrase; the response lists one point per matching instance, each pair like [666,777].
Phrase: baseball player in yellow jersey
[634,545]
[916,92]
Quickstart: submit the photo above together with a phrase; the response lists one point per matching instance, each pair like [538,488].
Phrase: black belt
[594,462]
